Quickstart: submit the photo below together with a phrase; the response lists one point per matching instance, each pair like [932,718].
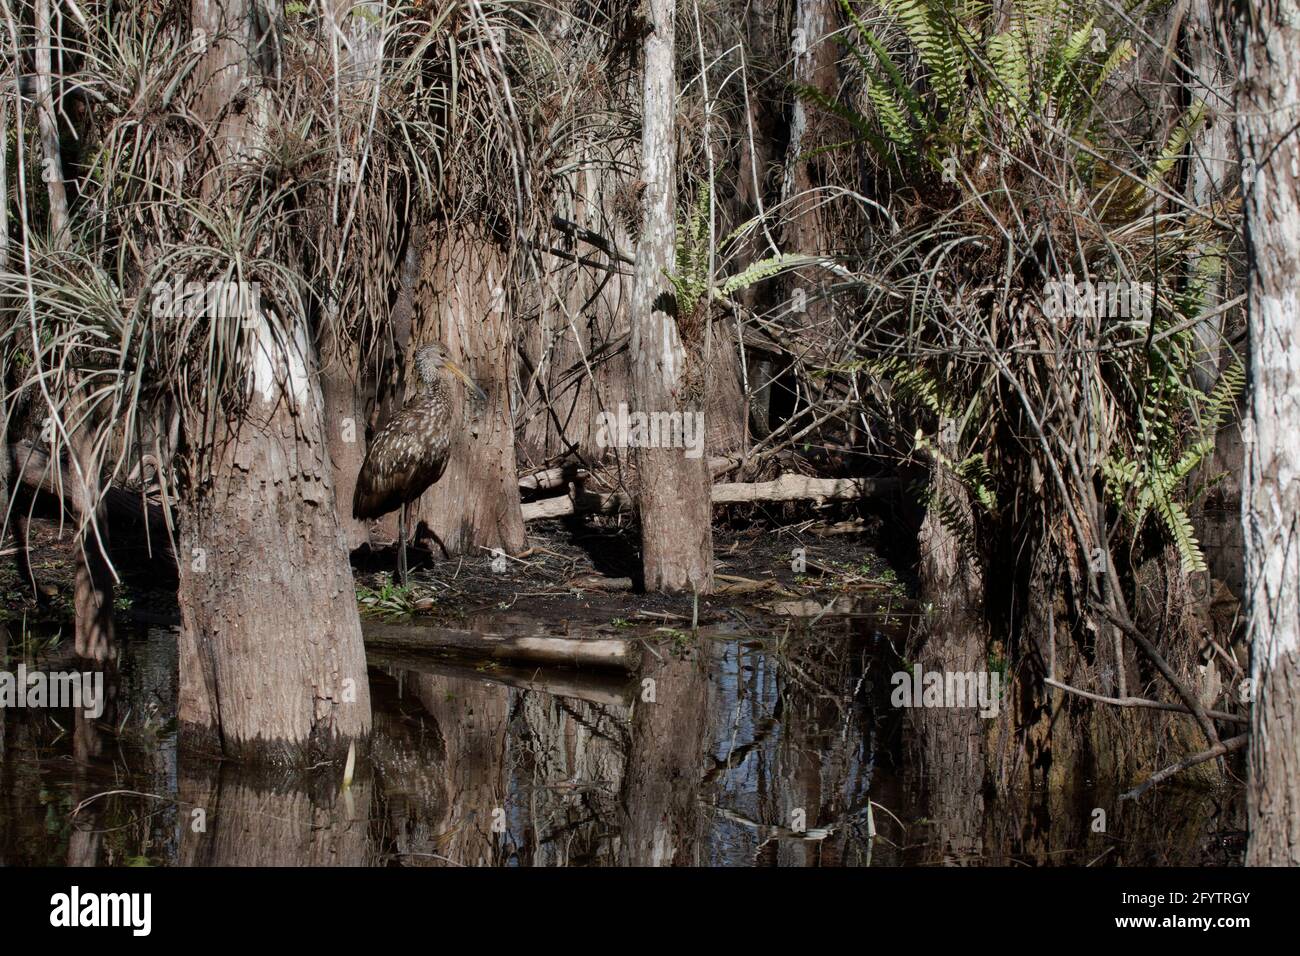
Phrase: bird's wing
[401,463]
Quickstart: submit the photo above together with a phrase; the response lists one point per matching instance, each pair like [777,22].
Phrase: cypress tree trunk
[463,305]
[271,659]
[676,537]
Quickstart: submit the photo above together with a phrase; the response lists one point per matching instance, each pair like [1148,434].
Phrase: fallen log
[577,501]
[143,522]
[550,478]
[533,649]
[792,487]
[789,487]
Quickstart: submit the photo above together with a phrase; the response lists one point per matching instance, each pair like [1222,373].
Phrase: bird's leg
[401,548]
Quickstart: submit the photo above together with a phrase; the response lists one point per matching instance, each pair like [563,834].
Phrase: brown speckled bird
[410,452]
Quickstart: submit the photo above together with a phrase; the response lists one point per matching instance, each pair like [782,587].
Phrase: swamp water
[761,742]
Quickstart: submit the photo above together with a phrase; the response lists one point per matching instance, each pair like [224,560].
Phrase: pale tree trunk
[674,502]
[1212,177]
[766,41]
[271,659]
[806,228]
[1268,93]
[462,304]
[813,53]
[1209,170]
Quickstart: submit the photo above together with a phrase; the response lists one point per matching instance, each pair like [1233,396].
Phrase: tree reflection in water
[731,747]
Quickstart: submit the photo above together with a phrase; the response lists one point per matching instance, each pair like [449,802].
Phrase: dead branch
[1143,702]
[1218,750]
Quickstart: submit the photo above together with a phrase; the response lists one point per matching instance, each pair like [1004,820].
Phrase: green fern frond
[1178,139]
[953,517]
[1179,525]
[1120,53]
[760,270]
[913,381]
[1223,397]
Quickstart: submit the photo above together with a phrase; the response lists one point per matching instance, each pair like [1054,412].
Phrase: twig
[1218,750]
[1142,702]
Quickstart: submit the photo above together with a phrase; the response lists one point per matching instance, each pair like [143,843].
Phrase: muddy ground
[575,570]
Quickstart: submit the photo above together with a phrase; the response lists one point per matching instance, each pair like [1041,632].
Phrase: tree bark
[345,432]
[673,496]
[463,304]
[271,655]
[271,658]
[1268,91]
[949,741]
[806,229]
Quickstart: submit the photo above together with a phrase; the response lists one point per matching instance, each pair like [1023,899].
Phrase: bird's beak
[469,383]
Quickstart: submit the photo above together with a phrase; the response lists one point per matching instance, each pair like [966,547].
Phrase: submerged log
[534,649]
[606,687]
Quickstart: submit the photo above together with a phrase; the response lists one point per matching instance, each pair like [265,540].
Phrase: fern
[1152,484]
[953,517]
[1177,143]
[760,270]
[692,280]
[1044,64]
[913,381]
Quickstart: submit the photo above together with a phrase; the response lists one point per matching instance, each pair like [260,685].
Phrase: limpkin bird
[410,452]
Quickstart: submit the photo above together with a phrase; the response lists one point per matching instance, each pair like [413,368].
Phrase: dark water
[765,744]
